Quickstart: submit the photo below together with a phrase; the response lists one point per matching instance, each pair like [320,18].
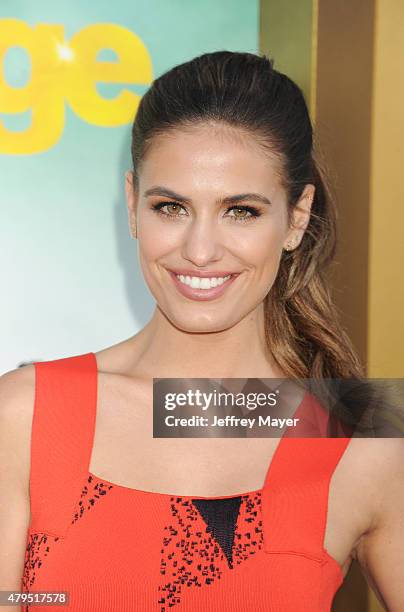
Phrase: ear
[300,218]
[131,200]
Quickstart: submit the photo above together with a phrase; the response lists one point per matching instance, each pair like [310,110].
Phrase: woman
[235,228]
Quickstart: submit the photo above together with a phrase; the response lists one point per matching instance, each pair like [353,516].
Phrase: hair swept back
[244,91]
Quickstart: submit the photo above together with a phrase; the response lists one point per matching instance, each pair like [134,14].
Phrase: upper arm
[380,551]
[17,389]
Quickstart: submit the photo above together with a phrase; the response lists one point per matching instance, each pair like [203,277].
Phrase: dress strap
[296,490]
[61,441]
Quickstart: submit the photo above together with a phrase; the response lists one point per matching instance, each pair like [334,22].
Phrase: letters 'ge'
[68,71]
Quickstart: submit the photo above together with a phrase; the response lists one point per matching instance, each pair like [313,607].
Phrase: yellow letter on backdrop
[134,66]
[70,70]
[42,94]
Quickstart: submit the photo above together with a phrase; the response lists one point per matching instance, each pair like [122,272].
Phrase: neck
[161,350]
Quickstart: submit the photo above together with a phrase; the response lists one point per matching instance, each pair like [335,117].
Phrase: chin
[200,324]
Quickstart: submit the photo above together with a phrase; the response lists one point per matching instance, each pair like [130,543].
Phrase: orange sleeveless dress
[114,548]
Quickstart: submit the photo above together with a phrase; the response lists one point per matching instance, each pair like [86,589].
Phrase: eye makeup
[252,212]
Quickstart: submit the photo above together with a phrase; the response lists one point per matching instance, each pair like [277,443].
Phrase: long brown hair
[243,90]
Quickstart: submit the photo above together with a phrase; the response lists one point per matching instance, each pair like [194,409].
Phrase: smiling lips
[202,285]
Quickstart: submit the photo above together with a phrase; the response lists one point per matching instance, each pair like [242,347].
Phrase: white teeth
[196,282]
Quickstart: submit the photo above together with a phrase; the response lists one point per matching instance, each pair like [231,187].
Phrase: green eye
[175,208]
[244,212]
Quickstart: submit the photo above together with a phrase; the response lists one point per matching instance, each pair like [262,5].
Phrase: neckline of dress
[172,495]
[137,491]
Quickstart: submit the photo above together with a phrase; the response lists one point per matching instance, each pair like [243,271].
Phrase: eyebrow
[234,199]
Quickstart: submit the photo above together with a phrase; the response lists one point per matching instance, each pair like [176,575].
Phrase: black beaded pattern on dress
[99,489]
[200,545]
[38,543]
[36,551]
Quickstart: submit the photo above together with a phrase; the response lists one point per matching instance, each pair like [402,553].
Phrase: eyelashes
[253,212]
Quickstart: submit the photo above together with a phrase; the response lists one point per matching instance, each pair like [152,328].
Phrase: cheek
[149,247]
[263,248]
[157,236]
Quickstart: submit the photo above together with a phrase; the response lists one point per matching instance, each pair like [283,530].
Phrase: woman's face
[211,221]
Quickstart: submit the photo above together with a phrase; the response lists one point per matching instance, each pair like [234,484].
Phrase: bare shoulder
[17,392]
[121,379]
[377,455]
[380,550]
[17,395]
[122,362]
[378,467]
[16,387]
[385,459]
[120,358]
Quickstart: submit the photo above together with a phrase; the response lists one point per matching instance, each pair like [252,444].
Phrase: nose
[202,243]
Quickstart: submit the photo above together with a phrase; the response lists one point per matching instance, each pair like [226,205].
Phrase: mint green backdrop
[70,277]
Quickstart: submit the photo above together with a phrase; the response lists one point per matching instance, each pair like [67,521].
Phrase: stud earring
[291,244]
